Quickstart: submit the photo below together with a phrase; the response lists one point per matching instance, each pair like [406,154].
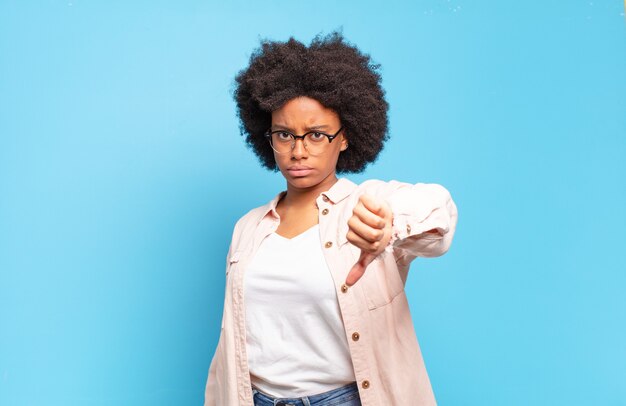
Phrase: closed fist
[369,229]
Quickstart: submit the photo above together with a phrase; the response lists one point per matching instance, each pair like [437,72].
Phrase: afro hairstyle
[331,71]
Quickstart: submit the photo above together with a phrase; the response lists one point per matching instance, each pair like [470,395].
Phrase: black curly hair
[330,70]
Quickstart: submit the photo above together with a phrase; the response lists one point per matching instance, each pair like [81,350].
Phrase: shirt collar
[339,191]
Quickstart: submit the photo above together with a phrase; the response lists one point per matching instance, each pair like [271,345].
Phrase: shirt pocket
[381,282]
[231,266]
[233,261]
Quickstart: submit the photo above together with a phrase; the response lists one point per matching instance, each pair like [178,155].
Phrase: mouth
[299,170]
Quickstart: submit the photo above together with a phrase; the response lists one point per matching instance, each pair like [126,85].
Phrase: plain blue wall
[122,173]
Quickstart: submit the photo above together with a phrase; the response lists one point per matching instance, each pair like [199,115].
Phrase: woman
[315,312]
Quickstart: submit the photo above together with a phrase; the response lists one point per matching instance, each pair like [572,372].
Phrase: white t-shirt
[296,342]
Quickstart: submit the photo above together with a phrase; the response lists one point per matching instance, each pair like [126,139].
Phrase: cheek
[336,153]
[331,160]
[280,160]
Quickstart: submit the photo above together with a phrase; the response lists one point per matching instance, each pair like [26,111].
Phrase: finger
[368,217]
[364,231]
[363,245]
[370,202]
[385,211]
[358,269]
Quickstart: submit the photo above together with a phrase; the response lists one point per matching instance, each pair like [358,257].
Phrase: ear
[344,143]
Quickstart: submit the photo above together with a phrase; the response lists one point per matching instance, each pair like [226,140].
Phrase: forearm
[424,220]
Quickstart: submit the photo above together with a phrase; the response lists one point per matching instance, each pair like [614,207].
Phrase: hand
[369,229]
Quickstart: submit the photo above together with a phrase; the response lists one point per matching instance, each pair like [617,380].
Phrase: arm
[407,220]
[424,220]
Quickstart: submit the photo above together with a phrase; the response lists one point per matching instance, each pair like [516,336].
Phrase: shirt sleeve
[424,219]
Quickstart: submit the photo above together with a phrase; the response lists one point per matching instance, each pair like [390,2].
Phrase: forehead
[304,111]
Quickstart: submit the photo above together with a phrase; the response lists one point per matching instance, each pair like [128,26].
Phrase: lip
[299,170]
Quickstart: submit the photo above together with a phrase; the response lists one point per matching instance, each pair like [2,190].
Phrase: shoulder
[249,221]
[251,217]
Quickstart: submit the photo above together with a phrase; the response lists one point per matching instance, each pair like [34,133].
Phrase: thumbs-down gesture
[369,229]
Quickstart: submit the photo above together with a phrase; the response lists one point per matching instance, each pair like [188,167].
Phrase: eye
[282,136]
[316,136]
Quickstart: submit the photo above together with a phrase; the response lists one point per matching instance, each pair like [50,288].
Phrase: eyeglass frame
[294,137]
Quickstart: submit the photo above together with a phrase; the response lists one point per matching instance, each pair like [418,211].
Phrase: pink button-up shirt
[385,354]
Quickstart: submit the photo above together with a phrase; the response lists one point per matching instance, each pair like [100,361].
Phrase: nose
[299,150]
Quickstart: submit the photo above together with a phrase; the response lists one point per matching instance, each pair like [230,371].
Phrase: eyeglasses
[283,141]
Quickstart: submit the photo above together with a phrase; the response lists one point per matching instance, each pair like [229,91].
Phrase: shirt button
[324,198]
[344,288]
[355,336]
[365,384]
[328,244]
[325,212]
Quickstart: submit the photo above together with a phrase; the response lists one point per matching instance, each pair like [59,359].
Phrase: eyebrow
[311,128]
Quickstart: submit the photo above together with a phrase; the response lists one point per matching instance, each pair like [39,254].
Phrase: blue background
[122,173]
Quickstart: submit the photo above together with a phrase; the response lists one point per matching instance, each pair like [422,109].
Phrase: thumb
[358,269]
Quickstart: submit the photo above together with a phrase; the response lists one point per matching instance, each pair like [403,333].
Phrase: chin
[303,182]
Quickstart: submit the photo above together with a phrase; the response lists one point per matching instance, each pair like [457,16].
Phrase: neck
[300,197]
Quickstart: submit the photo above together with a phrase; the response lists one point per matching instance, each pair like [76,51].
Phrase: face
[301,169]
